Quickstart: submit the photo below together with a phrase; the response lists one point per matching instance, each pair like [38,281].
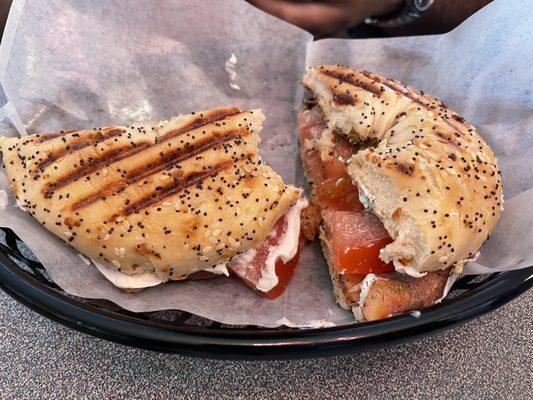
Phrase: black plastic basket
[25,279]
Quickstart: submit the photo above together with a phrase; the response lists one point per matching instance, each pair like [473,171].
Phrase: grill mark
[169,190]
[395,87]
[343,99]
[103,192]
[108,158]
[169,160]
[214,116]
[350,80]
[52,135]
[458,127]
[176,156]
[421,100]
[77,145]
[111,156]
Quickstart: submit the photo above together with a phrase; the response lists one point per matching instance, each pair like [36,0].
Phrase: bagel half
[172,198]
[430,178]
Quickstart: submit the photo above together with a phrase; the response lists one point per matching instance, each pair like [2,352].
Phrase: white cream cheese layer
[123,281]
[144,279]
[402,269]
[365,287]
[287,248]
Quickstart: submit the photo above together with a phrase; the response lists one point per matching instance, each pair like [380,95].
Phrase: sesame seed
[234,243]
[119,251]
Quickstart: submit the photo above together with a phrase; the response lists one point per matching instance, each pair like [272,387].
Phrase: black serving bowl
[22,277]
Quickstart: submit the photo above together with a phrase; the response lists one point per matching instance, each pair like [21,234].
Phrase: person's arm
[327,17]
[4,10]
[443,16]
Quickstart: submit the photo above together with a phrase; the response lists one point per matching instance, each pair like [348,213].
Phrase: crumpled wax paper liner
[78,64]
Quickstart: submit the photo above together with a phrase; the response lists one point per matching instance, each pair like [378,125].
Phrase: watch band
[410,12]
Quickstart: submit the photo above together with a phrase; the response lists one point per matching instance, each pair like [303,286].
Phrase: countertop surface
[489,357]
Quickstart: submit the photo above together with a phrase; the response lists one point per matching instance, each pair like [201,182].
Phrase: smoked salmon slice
[266,274]
[356,238]
[356,235]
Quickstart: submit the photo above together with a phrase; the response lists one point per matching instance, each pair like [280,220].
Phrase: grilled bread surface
[431,178]
[174,198]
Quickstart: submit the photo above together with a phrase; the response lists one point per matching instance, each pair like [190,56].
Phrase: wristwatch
[411,11]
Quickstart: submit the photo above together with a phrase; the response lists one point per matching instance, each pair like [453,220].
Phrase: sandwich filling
[266,268]
[357,235]
[269,267]
[368,285]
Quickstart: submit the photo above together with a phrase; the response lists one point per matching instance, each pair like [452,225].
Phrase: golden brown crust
[310,222]
[432,179]
[174,197]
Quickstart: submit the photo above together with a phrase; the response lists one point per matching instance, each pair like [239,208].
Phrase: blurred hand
[326,16]
[4,10]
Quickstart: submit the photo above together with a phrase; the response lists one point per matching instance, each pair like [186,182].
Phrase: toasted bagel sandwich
[406,190]
[154,202]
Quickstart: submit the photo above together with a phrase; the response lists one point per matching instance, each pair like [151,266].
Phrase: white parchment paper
[482,70]
[78,64]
